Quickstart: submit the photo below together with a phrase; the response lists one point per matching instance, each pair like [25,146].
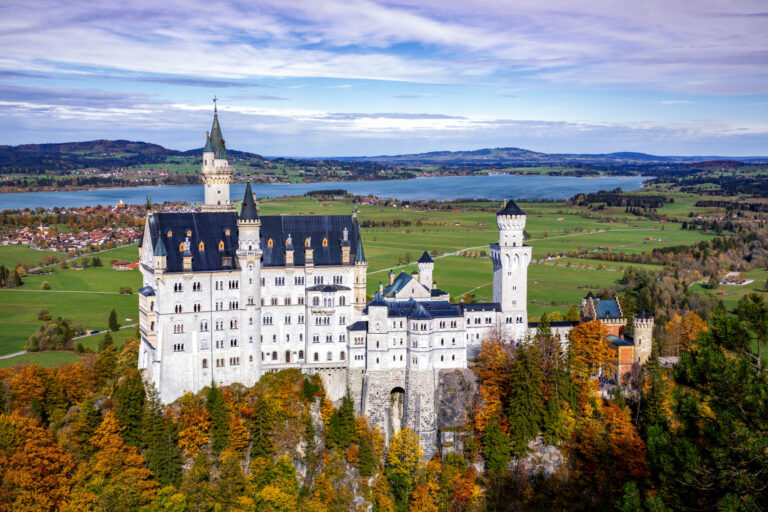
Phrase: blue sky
[348,77]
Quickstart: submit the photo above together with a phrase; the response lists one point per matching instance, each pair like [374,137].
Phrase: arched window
[325,242]
[307,241]
[169,234]
[221,245]
[287,356]
[226,231]
[181,246]
[342,301]
[274,356]
[342,356]
[329,356]
[301,354]
[201,246]
[205,363]
[270,243]
[317,356]
[189,232]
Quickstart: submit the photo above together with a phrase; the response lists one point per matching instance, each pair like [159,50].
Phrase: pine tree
[496,449]
[214,402]
[526,407]
[130,397]
[652,410]
[113,325]
[106,341]
[341,430]
[366,460]
[261,427]
[618,397]
[163,454]
[106,365]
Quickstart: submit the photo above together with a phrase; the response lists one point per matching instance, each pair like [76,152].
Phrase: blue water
[496,187]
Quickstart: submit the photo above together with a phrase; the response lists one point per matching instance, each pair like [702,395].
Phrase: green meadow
[457,237]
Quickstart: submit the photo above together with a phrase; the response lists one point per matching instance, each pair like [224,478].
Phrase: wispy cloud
[677,102]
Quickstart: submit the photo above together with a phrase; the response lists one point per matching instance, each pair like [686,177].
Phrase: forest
[538,435]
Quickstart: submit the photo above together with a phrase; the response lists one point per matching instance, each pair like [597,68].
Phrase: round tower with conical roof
[642,326]
[217,173]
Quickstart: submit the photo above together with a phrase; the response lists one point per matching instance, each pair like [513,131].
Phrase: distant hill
[104,154]
[527,158]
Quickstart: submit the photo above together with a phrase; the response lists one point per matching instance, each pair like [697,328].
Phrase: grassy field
[87,296]
[13,255]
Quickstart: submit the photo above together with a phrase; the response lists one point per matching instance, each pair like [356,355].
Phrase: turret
[510,259]
[642,325]
[426,265]
[160,255]
[361,269]
[217,174]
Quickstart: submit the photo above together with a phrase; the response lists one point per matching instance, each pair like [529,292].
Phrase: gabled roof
[398,284]
[481,306]
[377,300]
[360,325]
[147,291]
[248,210]
[619,342]
[426,258]
[511,209]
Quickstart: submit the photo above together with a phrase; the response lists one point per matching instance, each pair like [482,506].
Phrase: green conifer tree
[496,449]
[106,341]
[652,410]
[366,460]
[106,365]
[526,406]
[341,428]
[261,427]
[113,325]
[214,402]
[161,437]
[129,408]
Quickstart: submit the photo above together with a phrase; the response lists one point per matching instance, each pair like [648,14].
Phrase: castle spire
[359,254]
[249,210]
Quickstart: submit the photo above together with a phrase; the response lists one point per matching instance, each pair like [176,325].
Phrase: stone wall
[456,392]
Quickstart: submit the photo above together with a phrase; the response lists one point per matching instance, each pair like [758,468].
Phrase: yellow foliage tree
[26,386]
[494,364]
[194,425]
[590,353]
[682,333]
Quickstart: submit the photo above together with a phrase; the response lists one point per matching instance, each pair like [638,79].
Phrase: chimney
[186,256]
[391,277]
[309,254]
[289,251]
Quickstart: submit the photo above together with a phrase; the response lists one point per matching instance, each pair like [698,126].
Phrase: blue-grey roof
[360,325]
[208,146]
[248,210]
[147,291]
[436,292]
[426,258]
[207,227]
[216,138]
[481,306]
[398,284]
[619,342]
[160,247]
[316,227]
[511,209]
[377,300]
[359,254]
[607,309]
[559,323]
[328,288]
[644,315]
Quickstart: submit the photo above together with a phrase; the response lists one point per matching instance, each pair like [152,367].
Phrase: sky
[360,77]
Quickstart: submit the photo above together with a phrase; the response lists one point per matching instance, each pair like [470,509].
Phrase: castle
[229,296]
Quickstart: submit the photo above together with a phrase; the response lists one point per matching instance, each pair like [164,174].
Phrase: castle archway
[396,407]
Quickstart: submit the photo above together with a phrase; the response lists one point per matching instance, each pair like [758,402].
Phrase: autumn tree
[589,353]
[130,397]
[493,368]
[682,333]
[194,425]
[403,464]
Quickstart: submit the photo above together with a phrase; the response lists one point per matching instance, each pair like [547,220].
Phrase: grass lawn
[13,255]
[47,359]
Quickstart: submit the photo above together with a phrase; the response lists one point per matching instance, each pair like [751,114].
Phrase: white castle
[228,297]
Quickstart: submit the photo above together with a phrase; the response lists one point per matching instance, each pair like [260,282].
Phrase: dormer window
[270,243]
[201,246]
[221,245]
[181,246]
[169,234]
[189,232]
[307,242]
[325,242]
[226,232]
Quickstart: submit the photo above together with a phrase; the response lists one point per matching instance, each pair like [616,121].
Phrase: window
[315,301]
[307,242]
[442,358]
[196,308]
[250,301]
[205,363]
[342,338]
[342,320]
[270,243]
[178,328]
[317,357]
[203,326]
[233,342]
[287,338]
[178,287]
[219,363]
[338,279]
[287,301]
[318,279]
[301,354]
[301,300]
[233,324]
[287,356]
[301,319]
[221,245]
[250,359]
[328,302]
[325,242]
[263,281]
[329,356]
[169,234]
[453,357]
[178,347]
[274,301]
[342,301]
[274,356]
[226,232]
[342,356]
[234,361]
[234,285]
[299,280]
[197,286]
[274,338]
[178,308]
[287,320]
[201,246]
[315,339]
[152,326]
[280,281]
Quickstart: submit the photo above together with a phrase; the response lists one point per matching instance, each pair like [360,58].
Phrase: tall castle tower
[217,174]
[643,336]
[510,259]
[249,259]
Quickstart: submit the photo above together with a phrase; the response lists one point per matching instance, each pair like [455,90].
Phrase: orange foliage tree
[494,364]
[682,333]
[27,385]
[590,353]
[34,471]
[194,425]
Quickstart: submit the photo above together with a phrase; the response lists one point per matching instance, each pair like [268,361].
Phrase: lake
[496,187]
